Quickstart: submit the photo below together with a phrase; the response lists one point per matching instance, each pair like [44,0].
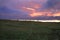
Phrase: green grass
[26,30]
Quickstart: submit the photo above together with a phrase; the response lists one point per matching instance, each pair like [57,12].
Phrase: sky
[30,9]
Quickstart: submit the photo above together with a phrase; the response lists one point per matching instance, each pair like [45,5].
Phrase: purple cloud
[12,9]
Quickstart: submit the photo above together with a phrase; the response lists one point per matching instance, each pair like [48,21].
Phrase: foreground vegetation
[27,30]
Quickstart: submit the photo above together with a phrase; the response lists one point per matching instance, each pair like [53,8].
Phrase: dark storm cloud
[6,13]
[6,10]
[53,4]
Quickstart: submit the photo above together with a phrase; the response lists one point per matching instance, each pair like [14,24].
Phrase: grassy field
[27,30]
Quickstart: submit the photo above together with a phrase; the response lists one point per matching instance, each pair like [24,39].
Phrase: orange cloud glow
[36,6]
[56,14]
[34,13]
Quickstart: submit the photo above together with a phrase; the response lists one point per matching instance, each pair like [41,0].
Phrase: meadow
[29,30]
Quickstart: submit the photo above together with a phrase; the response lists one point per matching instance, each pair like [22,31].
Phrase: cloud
[6,10]
[54,4]
[29,8]
[12,14]
[35,13]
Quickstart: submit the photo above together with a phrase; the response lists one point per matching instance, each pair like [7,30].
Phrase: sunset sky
[30,9]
